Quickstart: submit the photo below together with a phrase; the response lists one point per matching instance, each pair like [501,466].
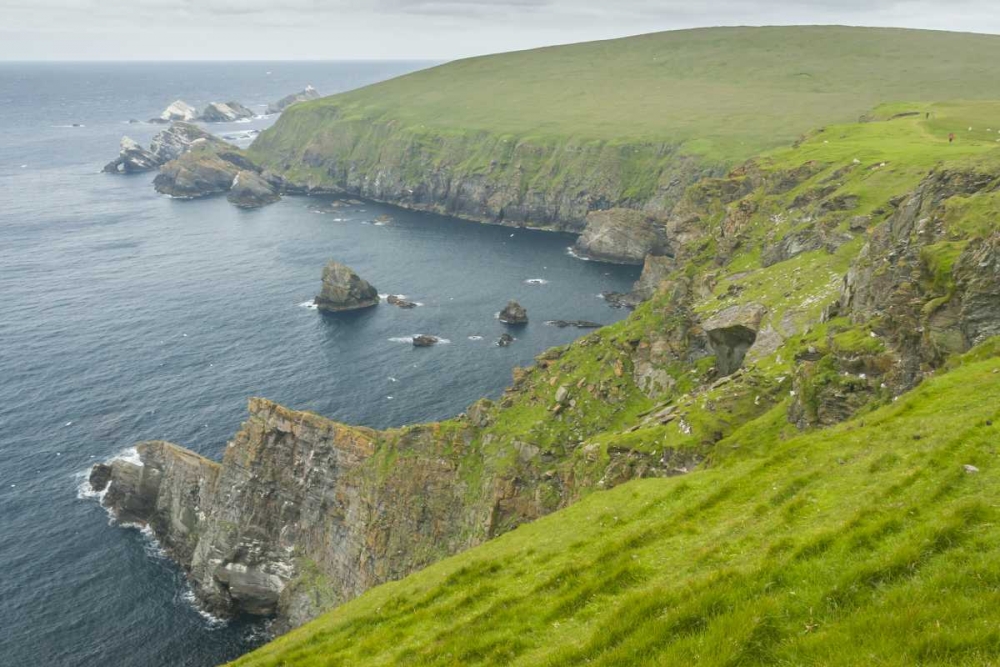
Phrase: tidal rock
[579,324]
[514,313]
[400,302]
[731,333]
[179,110]
[225,112]
[505,340]
[425,341]
[304,96]
[250,190]
[195,174]
[344,290]
[132,159]
[623,236]
[100,475]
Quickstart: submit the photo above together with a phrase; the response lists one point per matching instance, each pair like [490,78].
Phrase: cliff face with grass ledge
[809,286]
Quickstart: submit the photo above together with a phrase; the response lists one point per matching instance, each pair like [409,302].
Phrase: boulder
[179,110]
[731,333]
[425,341]
[514,313]
[199,173]
[304,96]
[225,112]
[344,290]
[132,159]
[624,236]
[250,190]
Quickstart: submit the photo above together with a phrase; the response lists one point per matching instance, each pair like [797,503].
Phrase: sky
[412,29]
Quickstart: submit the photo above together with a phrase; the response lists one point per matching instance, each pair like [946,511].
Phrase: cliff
[807,286]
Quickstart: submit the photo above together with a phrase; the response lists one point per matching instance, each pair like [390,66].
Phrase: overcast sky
[433,29]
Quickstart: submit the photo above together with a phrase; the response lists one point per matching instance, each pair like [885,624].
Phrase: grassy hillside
[544,137]
[725,93]
[868,543]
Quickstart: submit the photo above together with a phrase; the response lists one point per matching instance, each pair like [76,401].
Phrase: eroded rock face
[731,333]
[196,174]
[344,290]
[250,190]
[132,159]
[622,235]
[225,112]
[514,313]
[171,143]
[309,93]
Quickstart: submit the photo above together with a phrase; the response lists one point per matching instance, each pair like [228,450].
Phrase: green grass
[867,543]
[723,93]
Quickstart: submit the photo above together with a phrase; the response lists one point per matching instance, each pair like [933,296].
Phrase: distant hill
[543,137]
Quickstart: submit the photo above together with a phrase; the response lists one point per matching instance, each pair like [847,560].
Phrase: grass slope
[867,543]
[723,93]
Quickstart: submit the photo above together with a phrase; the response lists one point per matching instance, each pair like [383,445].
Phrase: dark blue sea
[127,316]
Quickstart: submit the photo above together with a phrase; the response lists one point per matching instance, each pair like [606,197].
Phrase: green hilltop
[725,93]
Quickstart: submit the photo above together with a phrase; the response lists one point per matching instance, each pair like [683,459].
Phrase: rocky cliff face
[476,176]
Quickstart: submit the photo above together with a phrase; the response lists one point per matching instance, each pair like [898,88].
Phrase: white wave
[84,491]
[129,455]
[242,120]
[571,253]
[191,599]
[409,339]
[536,281]
[311,305]
[475,337]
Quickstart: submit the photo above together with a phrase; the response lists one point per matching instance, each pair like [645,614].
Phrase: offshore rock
[195,174]
[425,341]
[250,190]
[344,290]
[514,313]
[309,93]
[400,302]
[179,110]
[132,159]
[623,236]
[225,112]
[505,340]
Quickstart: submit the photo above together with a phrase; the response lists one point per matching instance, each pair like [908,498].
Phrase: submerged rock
[344,290]
[225,112]
[425,341]
[309,93]
[505,340]
[400,302]
[579,324]
[622,235]
[514,313]
[250,190]
[178,110]
[132,159]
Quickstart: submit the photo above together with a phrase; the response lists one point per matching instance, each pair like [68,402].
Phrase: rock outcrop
[196,174]
[514,313]
[400,302]
[624,236]
[344,290]
[309,93]
[250,190]
[132,159]
[168,144]
[731,334]
[224,112]
[178,110]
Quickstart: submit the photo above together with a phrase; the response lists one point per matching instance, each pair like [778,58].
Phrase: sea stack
[251,190]
[344,290]
[514,313]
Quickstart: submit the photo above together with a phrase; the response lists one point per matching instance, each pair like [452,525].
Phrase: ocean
[127,316]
